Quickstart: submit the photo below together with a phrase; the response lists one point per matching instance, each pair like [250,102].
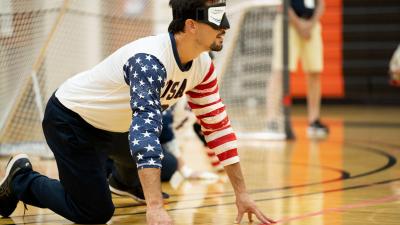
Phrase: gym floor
[350,178]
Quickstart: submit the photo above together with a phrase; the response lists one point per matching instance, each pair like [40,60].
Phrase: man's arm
[318,11]
[145,76]
[155,212]
[243,201]
[206,103]
[303,26]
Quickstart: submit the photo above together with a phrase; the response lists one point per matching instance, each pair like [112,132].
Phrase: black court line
[355,187]
[281,197]
[391,161]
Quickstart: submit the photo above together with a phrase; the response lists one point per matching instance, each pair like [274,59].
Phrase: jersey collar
[185,67]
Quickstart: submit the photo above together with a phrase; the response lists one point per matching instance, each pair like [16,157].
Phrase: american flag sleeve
[145,75]
[206,103]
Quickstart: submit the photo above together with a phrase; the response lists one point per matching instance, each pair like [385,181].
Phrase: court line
[277,198]
[344,208]
[391,161]
[350,206]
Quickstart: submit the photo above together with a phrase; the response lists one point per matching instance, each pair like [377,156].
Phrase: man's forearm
[236,177]
[150,180]
[293,18]
[318,11]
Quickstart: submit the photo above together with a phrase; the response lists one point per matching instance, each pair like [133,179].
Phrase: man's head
[206,19]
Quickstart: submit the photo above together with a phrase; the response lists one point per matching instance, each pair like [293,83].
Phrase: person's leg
[167,133]
[82,194]
[312,61]
[124,166]
[169,166]
[313,96]
[313,66]
[124,179]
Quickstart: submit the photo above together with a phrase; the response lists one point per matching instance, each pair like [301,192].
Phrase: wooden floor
[350,178]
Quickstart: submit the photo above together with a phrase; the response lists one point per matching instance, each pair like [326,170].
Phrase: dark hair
[182,10]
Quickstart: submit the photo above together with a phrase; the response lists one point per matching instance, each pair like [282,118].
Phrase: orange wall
[332,76]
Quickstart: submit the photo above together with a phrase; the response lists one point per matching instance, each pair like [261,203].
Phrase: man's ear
[191,26]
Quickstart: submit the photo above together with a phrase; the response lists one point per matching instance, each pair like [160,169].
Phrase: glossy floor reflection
[350,178]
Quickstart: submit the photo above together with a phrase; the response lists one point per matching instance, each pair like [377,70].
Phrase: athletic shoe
[8,200]
[317,129]
[134,192]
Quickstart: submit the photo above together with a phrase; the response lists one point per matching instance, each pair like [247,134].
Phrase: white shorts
[310,52]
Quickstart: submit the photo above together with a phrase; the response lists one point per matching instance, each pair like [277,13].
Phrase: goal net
[251,86]
[44,42]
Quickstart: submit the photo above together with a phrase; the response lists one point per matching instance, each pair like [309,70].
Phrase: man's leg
[316,129]
[313,96]
[312,60]
[124,179]
[82,194]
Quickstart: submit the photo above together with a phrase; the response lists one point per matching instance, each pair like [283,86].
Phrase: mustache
[221,33]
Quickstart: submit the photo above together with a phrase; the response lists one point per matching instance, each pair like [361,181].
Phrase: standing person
[305,43]
[128,91]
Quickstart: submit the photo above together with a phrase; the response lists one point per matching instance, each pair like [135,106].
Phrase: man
[128,91]
[305,43]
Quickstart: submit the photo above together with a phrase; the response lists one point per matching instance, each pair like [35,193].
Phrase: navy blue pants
[81,152]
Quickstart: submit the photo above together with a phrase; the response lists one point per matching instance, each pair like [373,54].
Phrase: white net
[252,92]
[43,42]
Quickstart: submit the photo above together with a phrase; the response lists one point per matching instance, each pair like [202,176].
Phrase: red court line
[370,202]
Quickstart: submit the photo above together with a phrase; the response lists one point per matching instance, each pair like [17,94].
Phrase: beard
[215,47]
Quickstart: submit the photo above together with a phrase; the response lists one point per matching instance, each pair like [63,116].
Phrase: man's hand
[243,201]
[246,205]
[304,28]
[155,213]
[157,216]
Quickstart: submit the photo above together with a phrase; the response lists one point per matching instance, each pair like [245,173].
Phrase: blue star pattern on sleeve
[145,76]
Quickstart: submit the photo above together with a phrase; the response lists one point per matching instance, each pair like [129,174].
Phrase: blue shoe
[8,200]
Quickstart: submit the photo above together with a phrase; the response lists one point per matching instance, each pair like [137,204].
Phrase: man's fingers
[239,217]
[249,215]
[260,216]
[270,220]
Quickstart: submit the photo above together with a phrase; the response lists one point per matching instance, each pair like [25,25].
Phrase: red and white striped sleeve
[205,101]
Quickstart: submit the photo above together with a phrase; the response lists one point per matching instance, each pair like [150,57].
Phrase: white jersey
[101,95]
[128,90]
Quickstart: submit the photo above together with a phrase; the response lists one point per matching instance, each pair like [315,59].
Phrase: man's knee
[105,215]
[99,215]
